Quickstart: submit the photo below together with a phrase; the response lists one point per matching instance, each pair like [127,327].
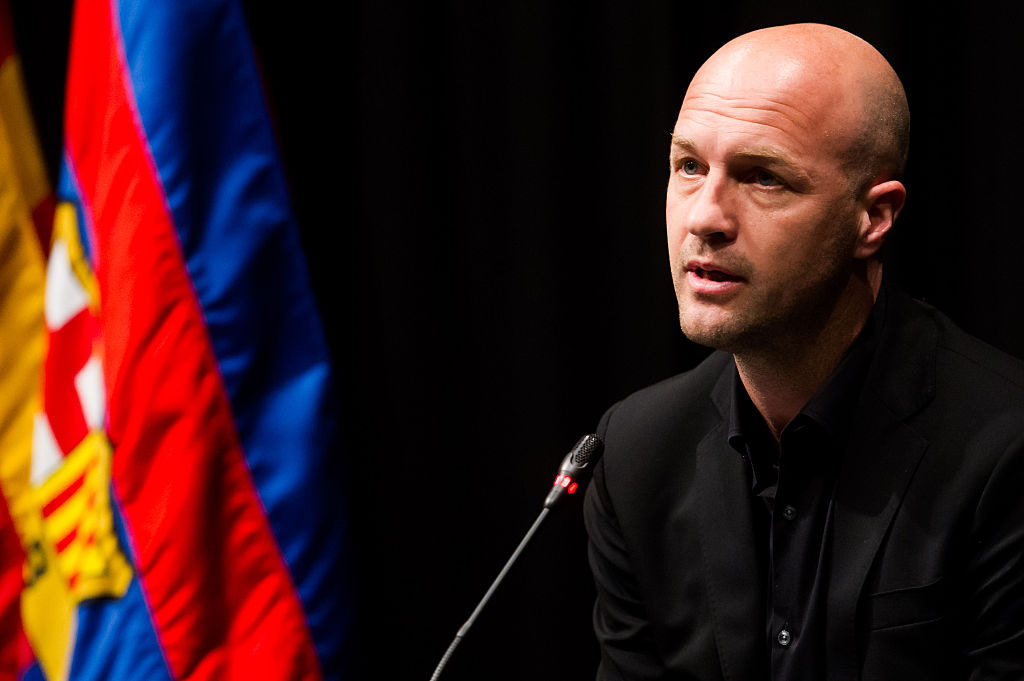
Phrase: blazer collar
[728,551]
[879,461]
[902,374]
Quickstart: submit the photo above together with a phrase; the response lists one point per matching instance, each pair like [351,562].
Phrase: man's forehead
[771,82]
[766,65]
[792,49]
[747,126]
[820,72]
[779,104]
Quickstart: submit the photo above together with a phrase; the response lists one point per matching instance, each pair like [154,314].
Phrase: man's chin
[714,335]
[717,328]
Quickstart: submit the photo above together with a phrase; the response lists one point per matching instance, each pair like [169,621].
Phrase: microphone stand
[464,629]
[574,471]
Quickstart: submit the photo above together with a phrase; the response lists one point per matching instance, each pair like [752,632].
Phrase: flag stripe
[29,171]
[69,349]
[42,218]
[70,194]
[66,494]
[15,654]
[67,539]
[133,654]
[251,283]
[7,47]
[115,638]
[21,324]
[220,595]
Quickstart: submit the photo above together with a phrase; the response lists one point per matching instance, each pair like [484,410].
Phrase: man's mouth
[715,275]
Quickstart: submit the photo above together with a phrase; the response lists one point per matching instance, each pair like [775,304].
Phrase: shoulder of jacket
[677,392]
[677,408]
[960,353]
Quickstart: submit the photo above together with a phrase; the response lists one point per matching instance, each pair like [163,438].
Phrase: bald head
[782,190]
[848,93]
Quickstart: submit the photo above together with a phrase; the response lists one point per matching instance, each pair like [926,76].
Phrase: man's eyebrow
[765,155]
[772,159]
[683,143]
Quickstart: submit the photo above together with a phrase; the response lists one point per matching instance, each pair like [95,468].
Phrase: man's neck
[781,378]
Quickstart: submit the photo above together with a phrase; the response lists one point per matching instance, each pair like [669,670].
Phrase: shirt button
[788,512]
[784,637]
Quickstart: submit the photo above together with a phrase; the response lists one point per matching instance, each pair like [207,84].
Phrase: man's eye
[766,179]
[690,167]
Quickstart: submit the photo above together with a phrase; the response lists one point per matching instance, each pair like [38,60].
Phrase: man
[837,493]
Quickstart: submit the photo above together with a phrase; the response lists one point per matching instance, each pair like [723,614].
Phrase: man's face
[762,220]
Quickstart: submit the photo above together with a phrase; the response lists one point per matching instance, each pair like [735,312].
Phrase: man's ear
[882,204]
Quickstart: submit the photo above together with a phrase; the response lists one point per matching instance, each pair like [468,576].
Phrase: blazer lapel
[879,463]
[728,549]
[873,479]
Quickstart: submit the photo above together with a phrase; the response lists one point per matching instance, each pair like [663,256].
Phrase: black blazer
[927,557]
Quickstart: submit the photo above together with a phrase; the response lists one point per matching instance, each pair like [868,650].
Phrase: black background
[480,188]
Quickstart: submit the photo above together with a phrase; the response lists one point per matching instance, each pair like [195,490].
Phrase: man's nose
[708,212]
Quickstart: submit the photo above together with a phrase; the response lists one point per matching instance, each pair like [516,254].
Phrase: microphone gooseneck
[573,473]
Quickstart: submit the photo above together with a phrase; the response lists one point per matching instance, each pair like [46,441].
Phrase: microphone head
[588,448]
[575,469]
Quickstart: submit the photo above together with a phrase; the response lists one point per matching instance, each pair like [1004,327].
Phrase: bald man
[837,492]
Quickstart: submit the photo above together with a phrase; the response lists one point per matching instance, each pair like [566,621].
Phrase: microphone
[574,471]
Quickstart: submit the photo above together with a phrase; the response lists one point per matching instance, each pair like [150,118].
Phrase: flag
[26,208]
[184,445]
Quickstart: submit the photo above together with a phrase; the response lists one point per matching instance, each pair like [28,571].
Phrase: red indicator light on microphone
[558,480]
[572,488]
[566,480]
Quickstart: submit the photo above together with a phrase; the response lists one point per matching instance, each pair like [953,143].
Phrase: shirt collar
[830,408]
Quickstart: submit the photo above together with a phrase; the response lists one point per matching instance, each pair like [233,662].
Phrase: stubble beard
[766,323]
[774,319]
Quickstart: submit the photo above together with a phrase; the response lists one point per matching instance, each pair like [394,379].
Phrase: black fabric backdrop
[480,188]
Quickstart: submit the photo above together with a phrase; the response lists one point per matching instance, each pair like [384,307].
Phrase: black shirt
[792,486]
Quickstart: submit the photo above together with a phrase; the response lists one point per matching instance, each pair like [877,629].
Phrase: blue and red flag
[181,519]
[26,214]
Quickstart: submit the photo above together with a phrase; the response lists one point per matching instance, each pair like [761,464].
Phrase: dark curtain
[480,187]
